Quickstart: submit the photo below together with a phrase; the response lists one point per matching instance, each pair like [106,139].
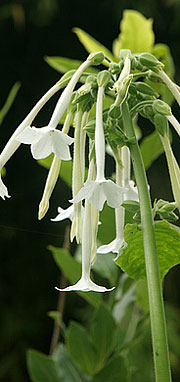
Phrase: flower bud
[125,53]
[161,124]
[103,78]
[161,107]
[65,78]
[144,88]
[114,68]
[150,61]
[96,58]
[114,112]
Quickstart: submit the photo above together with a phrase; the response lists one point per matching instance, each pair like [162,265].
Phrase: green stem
[157,316]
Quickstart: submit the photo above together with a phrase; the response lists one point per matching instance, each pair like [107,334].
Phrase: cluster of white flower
[96,190]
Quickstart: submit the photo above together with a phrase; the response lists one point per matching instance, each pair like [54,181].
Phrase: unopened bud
[161,107]
[145,89]
[65,78]
[150,61]
[96,58]
[161,124]
[114,112]
[103,78]
[125,53]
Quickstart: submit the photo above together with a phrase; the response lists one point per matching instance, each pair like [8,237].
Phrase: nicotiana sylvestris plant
[130,95]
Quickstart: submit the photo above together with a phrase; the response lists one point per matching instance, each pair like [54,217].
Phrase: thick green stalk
[157,316]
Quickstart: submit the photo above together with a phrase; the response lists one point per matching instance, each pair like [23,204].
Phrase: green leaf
[151,148]
[136,33]
[42,368]
[65,169]
[114,371]
[67,369]
[168,249]
[9,101]
[72,270]
[102,334]
[81,349]
[90,44]
[62,64]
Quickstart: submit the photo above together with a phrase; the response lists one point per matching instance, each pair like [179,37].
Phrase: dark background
[29,30]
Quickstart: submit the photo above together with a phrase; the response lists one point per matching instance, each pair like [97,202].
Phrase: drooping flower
[46,140]
[3,190]
[100,190]
[85,283]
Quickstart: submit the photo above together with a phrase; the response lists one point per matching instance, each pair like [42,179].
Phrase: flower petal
[84,192]
[30,135]
[43,148]
[85,286]
[60,146]
[114,246]
[68,213]
[3,190]
[132,193]
[113,193]
[98,198]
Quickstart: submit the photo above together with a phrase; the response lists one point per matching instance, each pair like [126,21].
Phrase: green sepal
[150,61]
[161,107]
[161,124]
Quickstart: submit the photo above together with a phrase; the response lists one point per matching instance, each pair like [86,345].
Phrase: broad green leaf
[42,368]
[90,44]
[136,33]
[63,64]
[151,148]
[9,101]
[114,371]
[65,169]
[168,249]
[72,270]
[103,328]
[81,349]
[67,369]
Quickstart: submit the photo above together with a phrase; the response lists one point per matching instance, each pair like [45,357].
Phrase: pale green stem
[157,316]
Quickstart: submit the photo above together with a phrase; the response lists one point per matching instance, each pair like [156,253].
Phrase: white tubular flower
[118,243]
[132,191]
[174,122]
[174,170]
[68,213]
[100,190]
[45,141]
[170,84]
[3,190]
[85,284]
[95,223]
[12,145]
[49,186]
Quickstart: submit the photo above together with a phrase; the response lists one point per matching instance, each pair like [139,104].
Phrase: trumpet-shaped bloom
[114,246]
[68,213]
[3,190]
[99,192]
[45,141]
[85,283]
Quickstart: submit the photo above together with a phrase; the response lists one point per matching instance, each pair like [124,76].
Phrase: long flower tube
[12,145]
[174,170]
[85,283]
[170,84]
[100,190]
[53,174]
[118,243]
[174,122]
[132,193]
[77,181]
